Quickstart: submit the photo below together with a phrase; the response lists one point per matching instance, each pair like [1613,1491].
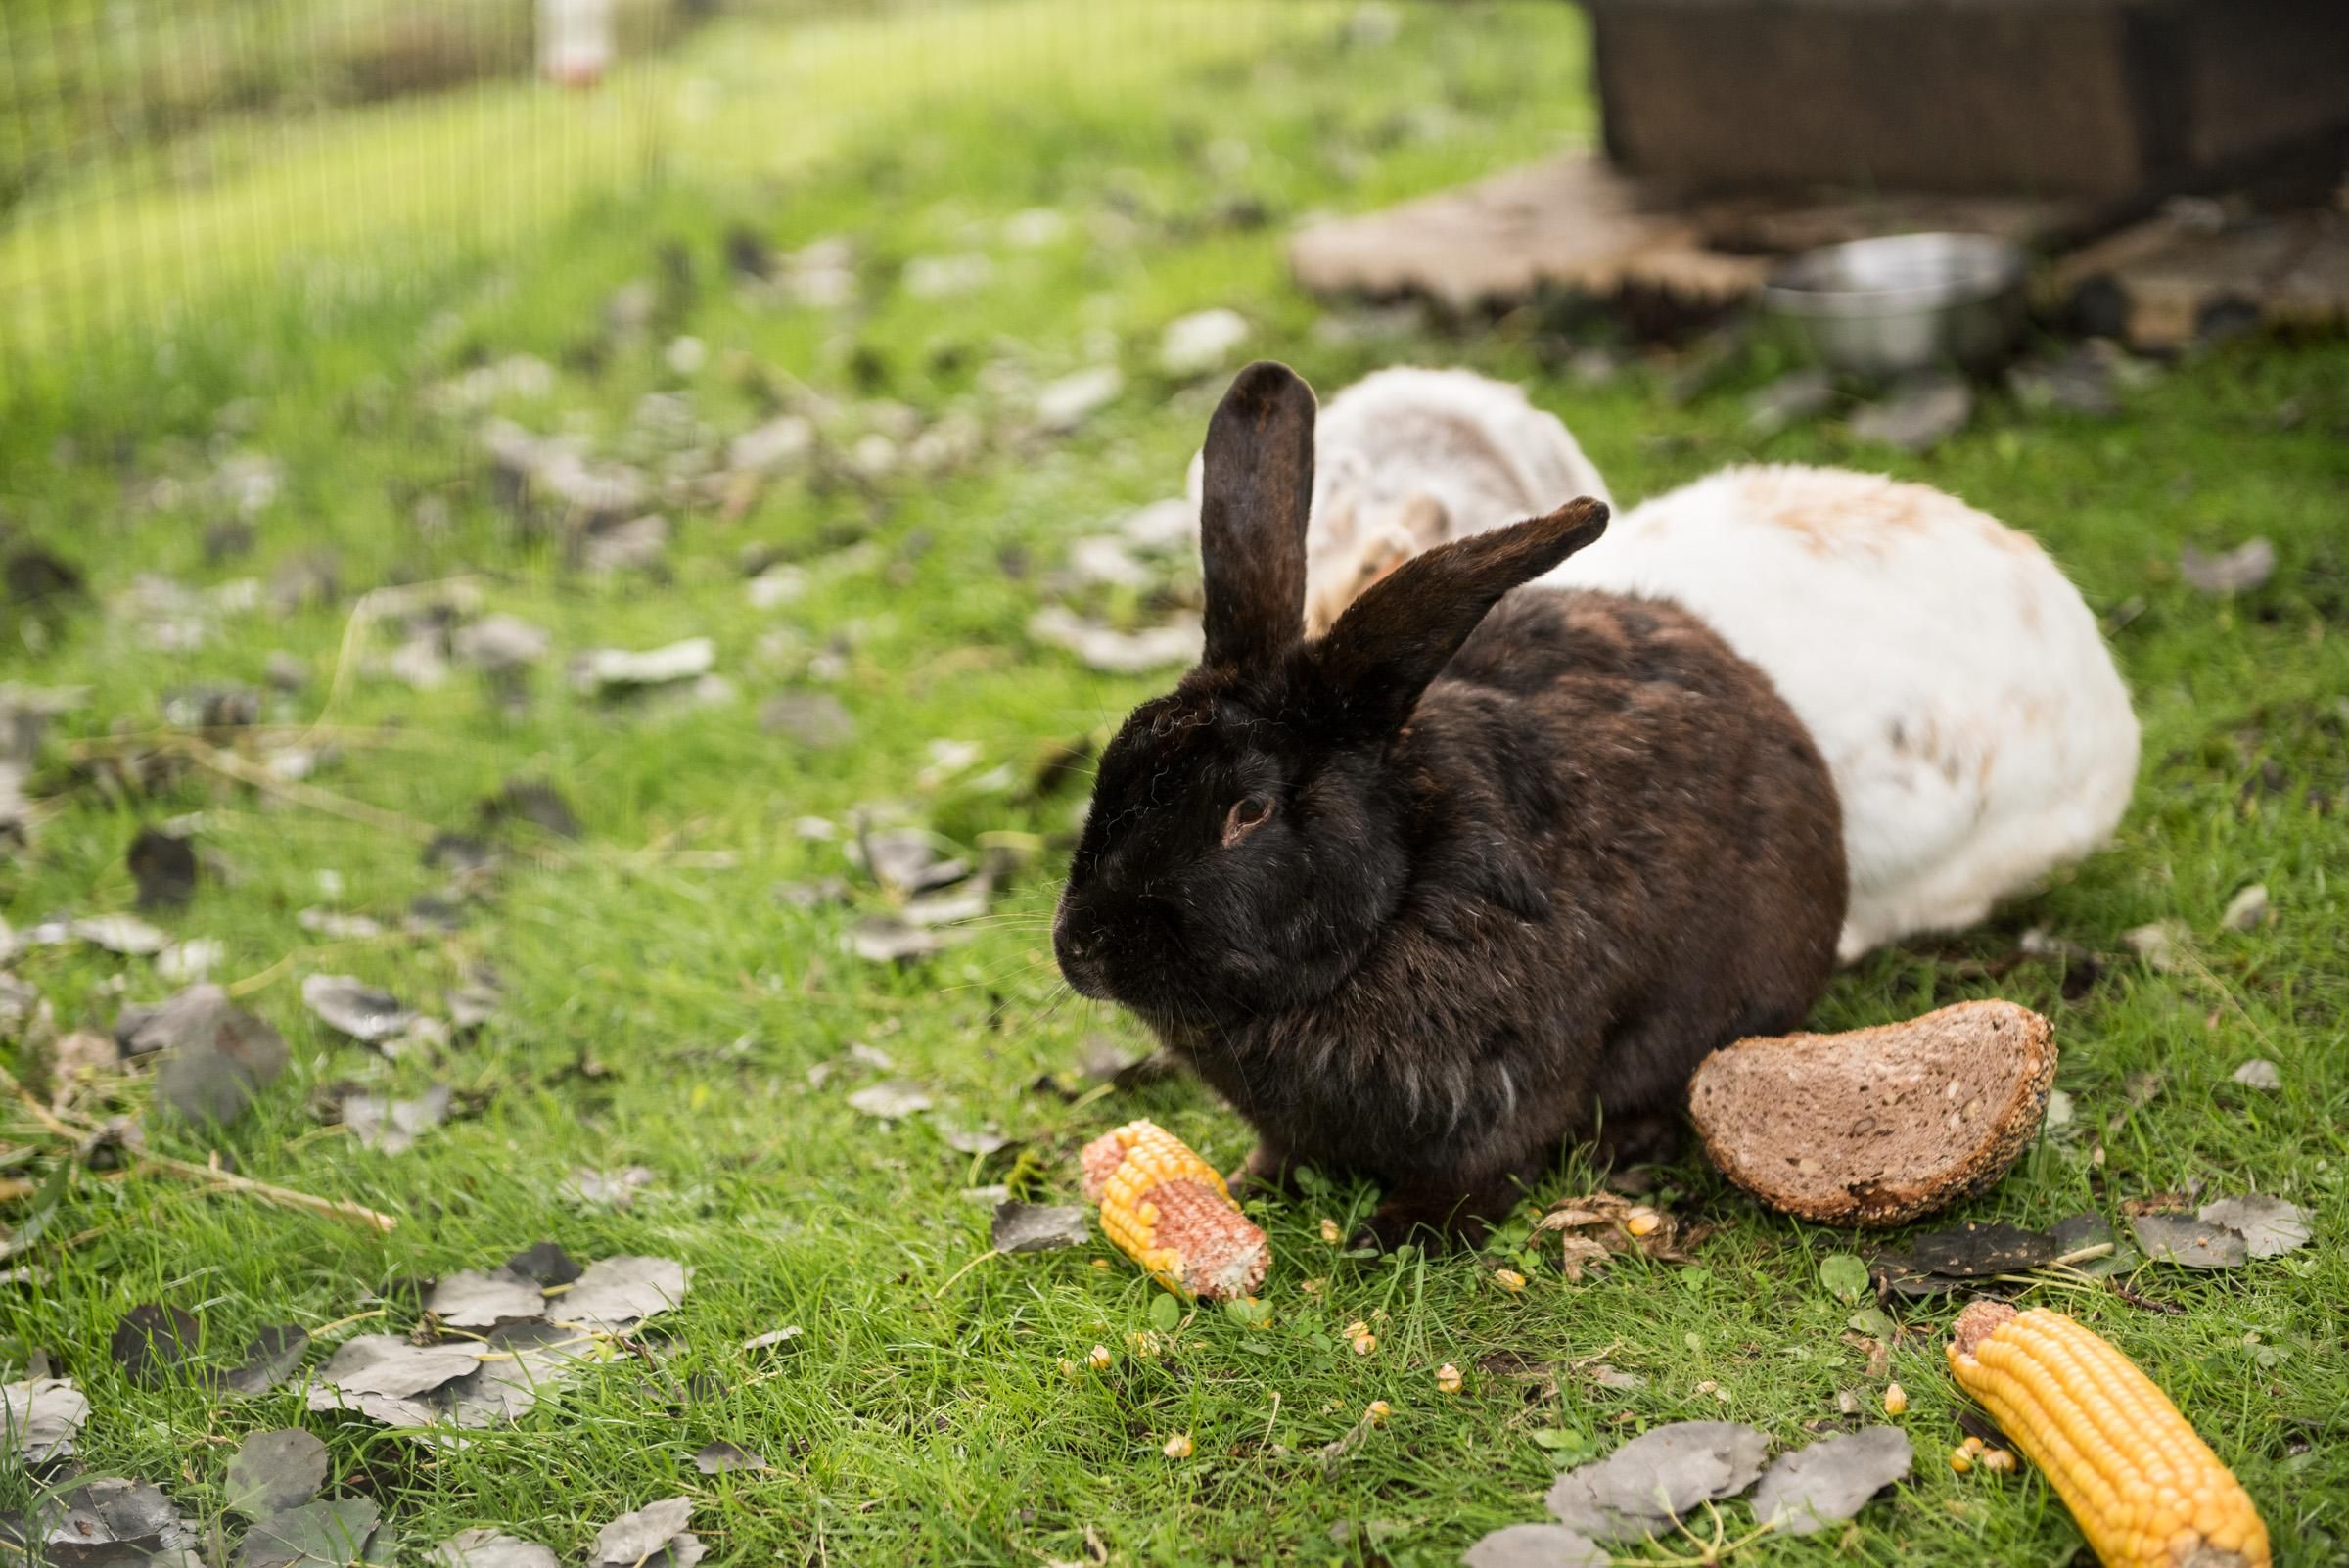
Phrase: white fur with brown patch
[1407,458]
[1953,677]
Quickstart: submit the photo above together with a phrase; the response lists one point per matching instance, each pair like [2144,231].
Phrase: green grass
[925,1422]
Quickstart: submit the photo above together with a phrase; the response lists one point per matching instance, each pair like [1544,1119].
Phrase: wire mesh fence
[151,149]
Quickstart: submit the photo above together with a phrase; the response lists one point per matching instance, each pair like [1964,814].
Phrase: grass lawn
[663,1005]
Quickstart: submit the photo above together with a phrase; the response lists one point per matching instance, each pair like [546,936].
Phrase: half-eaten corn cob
[2146,1492]
[1170,1212]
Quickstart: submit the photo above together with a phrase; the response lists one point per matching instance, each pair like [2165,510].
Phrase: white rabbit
[1949,672]
[1407,458]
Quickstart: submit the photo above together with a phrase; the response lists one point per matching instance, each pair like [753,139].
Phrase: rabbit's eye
[1248,814]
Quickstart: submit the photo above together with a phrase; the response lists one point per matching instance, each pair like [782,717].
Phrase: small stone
[2259,1074]
[1064,404]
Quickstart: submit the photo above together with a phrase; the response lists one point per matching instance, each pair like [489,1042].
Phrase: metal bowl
[1905,302]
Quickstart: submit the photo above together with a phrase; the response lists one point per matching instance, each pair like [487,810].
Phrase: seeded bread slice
[1879,1125]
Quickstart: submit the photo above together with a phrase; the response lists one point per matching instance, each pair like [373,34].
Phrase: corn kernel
[1068,1369]
[1642,1222]
[1448,1378]
[1179,1447]
[1331,1234]
[1377,1411]
[1357,1326]
[1508,1279]
[1998,1461]
[1896,1398]
[1960,1460]
[1099,1358]
[1364,1344]
[1143,1344]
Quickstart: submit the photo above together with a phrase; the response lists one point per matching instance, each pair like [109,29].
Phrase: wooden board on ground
[1573,223]
[2167,280]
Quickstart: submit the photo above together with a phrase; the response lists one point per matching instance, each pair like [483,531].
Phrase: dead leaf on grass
[1039,1226]
[2268,1225]
[165,868]
[607,1189]
[1972,1251]
[2246,567]
[270,1360]
[490,1548]
[544,1262]
[652,1536]
[274,1471]
[891,1100]
[390,1366]
[1115,652]
[114,1511]
[1830,1480]
[720,1456]
[2188,1243]
[1536,1545]
[366,1013]
[216,1056]
[531,800]
[126,935]
[477,1298]
[153,1342]
[329,1534]
[615,1294]
[2083,1231]
[393,1126]
[889,940]
[1655,1478]
[39,1419]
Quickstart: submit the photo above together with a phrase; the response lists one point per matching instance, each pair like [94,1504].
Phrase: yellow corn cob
[1168,1211]
[2146,1492]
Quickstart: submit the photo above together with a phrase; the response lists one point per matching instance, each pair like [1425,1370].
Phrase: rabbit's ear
[1400,633]
[1257,493]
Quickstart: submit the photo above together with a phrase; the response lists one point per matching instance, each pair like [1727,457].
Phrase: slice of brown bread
[1879,1125]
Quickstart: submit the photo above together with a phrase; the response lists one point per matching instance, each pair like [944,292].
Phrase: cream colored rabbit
[1949,672]
[1409,458]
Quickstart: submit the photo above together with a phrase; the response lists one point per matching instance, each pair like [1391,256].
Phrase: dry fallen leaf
[274,1471]
[2259,1074]
[1829,1481]
[2268,1225]
[490,1548]
[328,1534]
[652,1536]
[890,1100]
[39,1419]
[352,1008]
[2246,567]
[616,1293]
[1536,1545]
[473,1298]
[2174,1238]
[215,1056]
[153,1342]
[1656,1477]
[1039,1226]
[716,1458]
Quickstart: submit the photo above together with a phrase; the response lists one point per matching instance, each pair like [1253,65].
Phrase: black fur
[1523,858]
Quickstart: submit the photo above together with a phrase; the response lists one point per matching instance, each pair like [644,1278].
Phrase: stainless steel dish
[1905,302]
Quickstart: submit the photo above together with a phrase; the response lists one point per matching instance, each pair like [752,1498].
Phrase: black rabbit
[1425,896]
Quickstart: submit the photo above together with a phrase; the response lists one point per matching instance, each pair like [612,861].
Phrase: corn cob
[2146,1492]
[1168,1211]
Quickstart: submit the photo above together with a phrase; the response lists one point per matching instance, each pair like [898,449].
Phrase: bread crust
[1720,1104]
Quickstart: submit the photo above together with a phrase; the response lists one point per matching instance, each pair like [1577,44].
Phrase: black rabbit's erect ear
[1400,633]
[1258,487]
